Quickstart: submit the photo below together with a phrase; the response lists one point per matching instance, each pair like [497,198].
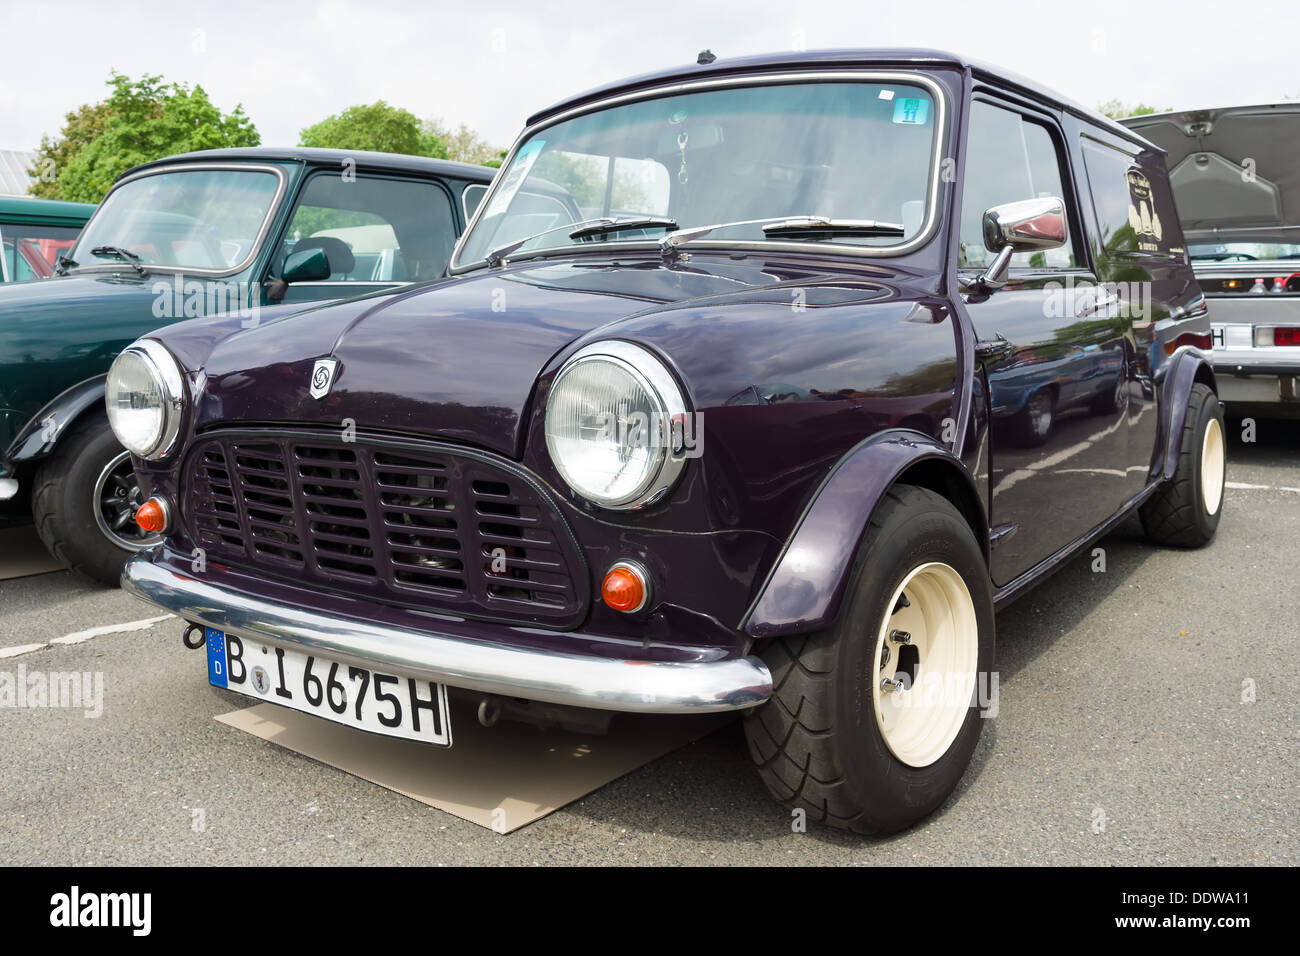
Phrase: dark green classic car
[232,236]
[35,232]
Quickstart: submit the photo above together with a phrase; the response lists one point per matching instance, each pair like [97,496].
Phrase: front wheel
[873,721]
[1185,510]
[85,501]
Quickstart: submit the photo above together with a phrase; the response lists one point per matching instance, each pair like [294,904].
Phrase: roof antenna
[705,57]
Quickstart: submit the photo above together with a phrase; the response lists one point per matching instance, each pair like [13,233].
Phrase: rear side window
[1134,214]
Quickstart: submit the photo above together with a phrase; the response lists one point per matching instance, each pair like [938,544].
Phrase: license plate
[387,704]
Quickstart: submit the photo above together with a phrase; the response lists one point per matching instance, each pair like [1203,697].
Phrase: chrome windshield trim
[633,686]
[928,226]
[282,183]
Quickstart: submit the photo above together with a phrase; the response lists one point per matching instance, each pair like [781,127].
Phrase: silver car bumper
[1257,375]
[559,678]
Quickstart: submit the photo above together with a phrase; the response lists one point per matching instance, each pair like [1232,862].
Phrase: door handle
[992,348]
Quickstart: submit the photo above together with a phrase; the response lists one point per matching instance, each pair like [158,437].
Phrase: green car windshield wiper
[64,264]
[579,229]
[117,252]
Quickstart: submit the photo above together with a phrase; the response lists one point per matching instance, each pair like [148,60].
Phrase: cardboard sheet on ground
[21,553]
[501,778]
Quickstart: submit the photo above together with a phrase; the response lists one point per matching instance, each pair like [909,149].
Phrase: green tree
[464,145]
[1117,110]
[142,120]
[378,127]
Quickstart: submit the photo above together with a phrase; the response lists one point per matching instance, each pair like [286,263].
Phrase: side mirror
[1030,225]
[310,265]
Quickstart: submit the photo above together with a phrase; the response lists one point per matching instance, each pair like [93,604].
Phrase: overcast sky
[490,64]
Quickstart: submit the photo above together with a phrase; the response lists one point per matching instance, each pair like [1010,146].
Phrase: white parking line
[79,637]
[1243,486]
[20,649]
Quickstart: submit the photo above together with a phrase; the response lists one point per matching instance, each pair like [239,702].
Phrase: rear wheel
[1185,510]
[873,721]
[85,501]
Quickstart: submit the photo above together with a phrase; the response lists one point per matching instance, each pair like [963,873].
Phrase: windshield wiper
[117,252]
[799,227]
[820,227]
[621,225]
[64,264]
[603,223]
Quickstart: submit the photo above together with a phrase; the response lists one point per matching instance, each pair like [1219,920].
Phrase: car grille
[422,526]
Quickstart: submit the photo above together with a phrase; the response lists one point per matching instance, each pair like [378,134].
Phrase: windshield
[202,219]
[1243,251]
[843,150]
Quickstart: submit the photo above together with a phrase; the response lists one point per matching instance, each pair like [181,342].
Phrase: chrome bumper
[1257,375]
[559,678]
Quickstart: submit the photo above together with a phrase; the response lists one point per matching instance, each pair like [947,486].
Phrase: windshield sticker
[911,111]
[886,94]
[514,177]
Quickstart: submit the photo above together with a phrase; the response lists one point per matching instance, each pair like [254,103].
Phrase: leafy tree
[142,120]
[378,127]
[1117,110]
[464,145]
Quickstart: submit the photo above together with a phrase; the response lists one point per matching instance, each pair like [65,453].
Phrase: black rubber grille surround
[418,525]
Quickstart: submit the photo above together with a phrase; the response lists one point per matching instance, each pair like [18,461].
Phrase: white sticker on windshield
[514,177]
[886,94]
[911,111]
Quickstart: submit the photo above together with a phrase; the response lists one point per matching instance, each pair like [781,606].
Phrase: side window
[374,229]
[1008,158]
[1125,202]
[32,252]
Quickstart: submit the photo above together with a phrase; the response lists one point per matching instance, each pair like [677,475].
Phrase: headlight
[144,395]
[610,425]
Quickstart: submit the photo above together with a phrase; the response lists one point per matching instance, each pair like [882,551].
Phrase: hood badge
[322,376]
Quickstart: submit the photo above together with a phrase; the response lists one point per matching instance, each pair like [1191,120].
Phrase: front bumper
[654,687]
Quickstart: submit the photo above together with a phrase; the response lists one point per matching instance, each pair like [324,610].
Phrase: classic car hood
[458,360]
[1233,171]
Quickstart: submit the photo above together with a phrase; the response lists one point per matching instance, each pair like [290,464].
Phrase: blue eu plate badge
[216,656]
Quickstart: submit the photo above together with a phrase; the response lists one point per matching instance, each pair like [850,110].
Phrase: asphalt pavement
[1148,714]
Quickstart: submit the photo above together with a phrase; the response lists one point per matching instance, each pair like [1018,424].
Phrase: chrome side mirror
[1030,225]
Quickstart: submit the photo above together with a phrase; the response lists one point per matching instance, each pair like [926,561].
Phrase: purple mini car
[757,386]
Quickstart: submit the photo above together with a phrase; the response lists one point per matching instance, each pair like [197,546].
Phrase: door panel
[1058,374]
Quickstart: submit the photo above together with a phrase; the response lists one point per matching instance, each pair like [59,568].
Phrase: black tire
[64,506]
[1033,423]
[816,741]
[1178,513]
[1112,399]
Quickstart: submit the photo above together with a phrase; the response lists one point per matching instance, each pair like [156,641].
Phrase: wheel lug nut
[900,637]
[888,684]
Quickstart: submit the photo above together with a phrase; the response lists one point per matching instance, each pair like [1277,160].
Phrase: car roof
[30,209]
[364,159]
[872,58]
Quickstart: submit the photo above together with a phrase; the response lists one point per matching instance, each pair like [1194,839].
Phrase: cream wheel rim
[927,652]
[1212,467]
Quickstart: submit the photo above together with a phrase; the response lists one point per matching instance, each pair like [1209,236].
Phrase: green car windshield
[842,150]
[200,219]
